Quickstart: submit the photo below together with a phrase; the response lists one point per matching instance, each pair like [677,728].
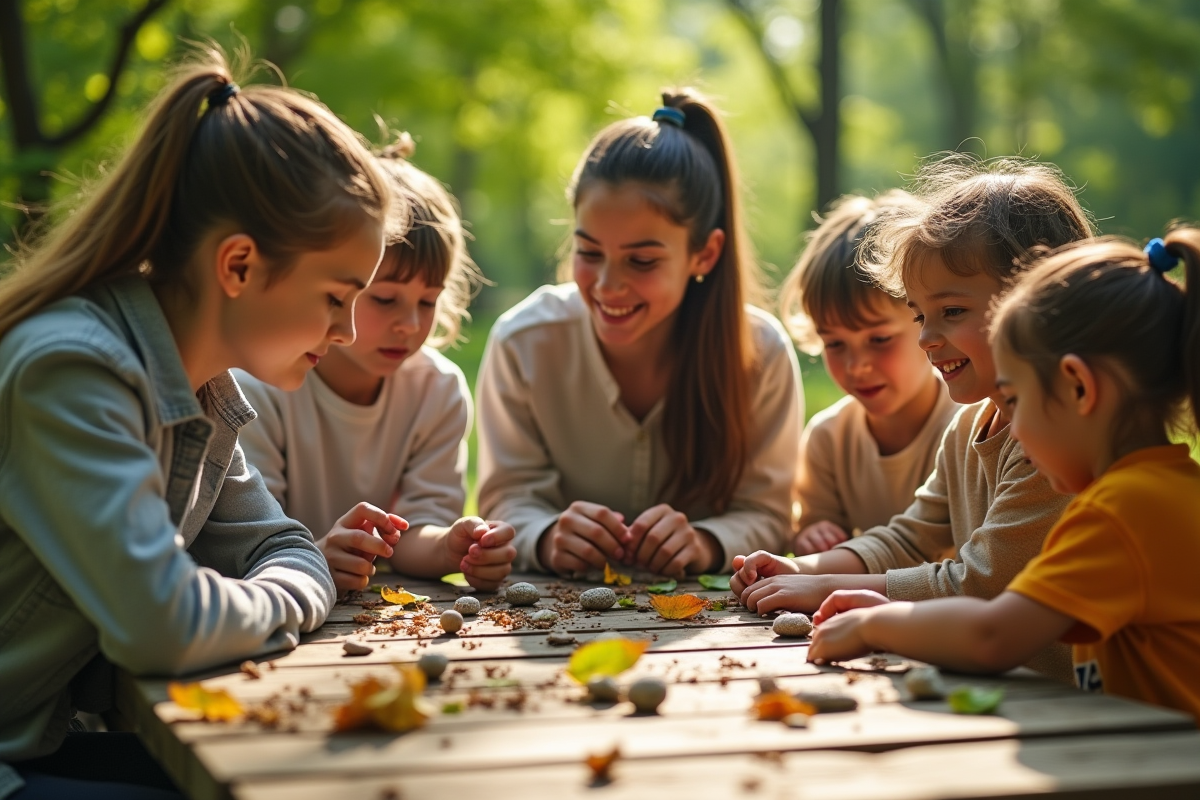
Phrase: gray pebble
[560,639]
[647,694]
[353,648]
[792,625]
[522,594]
[766,684]
[467,606]
[451,620]
[925,683]
[827,702]
[598,599]
[603,689]
[433,665]
[545,615]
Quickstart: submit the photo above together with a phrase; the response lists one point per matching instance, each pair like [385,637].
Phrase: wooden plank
[1165,765]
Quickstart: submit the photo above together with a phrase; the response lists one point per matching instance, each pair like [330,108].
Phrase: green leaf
[606,657]
[456,579]
[626,602]
[663,587]
[452,707]
[715,582]
[972,700]
[716,605]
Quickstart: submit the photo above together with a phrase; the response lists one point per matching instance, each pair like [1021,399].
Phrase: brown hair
[271,160]
[434,248]
[980,216]
[1104,302]
[693,179]
[828,285]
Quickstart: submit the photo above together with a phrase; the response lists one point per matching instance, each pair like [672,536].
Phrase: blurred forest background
[823,96]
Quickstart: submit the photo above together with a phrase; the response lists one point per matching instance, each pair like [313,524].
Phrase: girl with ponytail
[644,414]
[1098,359]
[236,232]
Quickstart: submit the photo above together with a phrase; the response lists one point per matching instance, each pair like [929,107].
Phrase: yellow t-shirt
[1122,561]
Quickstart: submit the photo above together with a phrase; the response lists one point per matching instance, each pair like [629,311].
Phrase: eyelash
[335,303]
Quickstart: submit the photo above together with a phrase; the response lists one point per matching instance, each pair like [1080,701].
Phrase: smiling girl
[644,414]
[381,424]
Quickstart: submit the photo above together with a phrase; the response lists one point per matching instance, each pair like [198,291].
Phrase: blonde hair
[434,248]
[828,284]
[268,159]
[694,181]
[980,217]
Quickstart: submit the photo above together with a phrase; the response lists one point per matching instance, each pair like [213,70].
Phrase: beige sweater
[986,500]
[844,479]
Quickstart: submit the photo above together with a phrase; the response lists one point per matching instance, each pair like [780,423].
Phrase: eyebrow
[1003,382]
[355,282]
[631,246]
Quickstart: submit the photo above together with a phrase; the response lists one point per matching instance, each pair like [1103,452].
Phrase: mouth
[394,353]
[951,369]
[313,358]
[616,314]
[867,392]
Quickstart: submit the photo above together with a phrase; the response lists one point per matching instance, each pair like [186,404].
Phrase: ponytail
[269,160]
[1185,244]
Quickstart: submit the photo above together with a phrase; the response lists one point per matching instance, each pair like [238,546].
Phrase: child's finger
[610,520]
[345,561]
[363,513]
[497,533]
[491,574]
[491,555]
[366,543]
[847,600]
[583,549]
[738,561]
[400,522]
[601,539]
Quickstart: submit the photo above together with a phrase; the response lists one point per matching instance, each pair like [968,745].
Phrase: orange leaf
[214,705]
[396,707]
[777,705]
[354,712]
[400,597]
[601,765]
[612,576]
[680,606]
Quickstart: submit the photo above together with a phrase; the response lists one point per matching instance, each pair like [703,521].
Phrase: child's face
[632,264]
[1044,424]
[951,311]
[393,319]
[292,322]
[880,365]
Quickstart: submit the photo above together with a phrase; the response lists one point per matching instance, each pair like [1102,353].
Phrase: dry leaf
[601,765]
[354,712]
[400,597]
[777,705]
[396,707]
[606,657]
[680,606]
[214,705]
[612,576]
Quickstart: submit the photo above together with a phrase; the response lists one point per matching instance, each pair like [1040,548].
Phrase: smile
[617,311]
[313,358]
[950,367]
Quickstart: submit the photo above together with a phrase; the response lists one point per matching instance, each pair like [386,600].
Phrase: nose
[407,318]
[856,362]
[608,279]
[929,338]
[341,331]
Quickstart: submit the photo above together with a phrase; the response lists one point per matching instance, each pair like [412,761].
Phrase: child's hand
[803,593]
[818,537]
[351,545]
[759,564]
[585,535]
[483,550]
[840,638]
[847,600]
[662,541]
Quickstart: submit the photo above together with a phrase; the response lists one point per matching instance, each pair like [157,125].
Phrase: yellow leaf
[396,707]
[777,705]
[214,705]
[400,597]
[612,576]
[354,712]
[680,606]
[456,579]
[607,657]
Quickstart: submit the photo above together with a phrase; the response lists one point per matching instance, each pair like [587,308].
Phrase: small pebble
[451,620]
[560,639]
[544,615]
[925,683]
[796,720]
[647,694]
[433,665]
[522,594]
[766,684]
[792,625]
[353,648]
[467,606]
[597,599]
[828,702]
[603,689]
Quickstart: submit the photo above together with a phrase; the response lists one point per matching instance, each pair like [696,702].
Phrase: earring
[700,278]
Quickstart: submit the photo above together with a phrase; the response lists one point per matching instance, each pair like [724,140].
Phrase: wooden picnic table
[524,731]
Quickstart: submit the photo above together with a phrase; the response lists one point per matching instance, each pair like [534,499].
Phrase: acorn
[792,625]
[522,594]
[598,599]
[433,665]
[467,606]
[451,620]
[647,694]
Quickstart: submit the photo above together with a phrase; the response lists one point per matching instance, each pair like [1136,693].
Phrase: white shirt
[406,453]
[552,430]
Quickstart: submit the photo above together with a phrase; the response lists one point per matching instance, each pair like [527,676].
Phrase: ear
[706,257]
[238,262]
[1081,383]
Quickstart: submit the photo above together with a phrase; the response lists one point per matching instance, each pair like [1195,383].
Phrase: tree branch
[778,75]
[16,76]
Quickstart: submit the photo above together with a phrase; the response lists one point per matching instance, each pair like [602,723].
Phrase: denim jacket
[132,530]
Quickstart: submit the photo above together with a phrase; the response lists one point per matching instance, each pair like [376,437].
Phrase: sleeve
[94,514]
[816,480]
[431,490]
[1090,570]
[264,441]
[759,517]
[518,482]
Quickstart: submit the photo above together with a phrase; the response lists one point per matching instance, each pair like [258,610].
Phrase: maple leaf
[601,765]
[214,705]
[606,657]
[680,606]
[612,576]
[777,705]
[400,597]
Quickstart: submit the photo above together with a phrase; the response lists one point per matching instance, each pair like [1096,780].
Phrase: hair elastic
[669,115]
[1162,259]
[220,97]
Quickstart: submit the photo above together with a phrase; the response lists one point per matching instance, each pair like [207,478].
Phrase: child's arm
[351,546]
[264,441]
[961,633]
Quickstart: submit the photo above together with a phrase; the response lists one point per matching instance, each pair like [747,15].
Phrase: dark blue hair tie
[220,97]
[671,116]
[1161,259]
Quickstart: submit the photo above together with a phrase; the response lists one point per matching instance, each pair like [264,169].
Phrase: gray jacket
[131,529]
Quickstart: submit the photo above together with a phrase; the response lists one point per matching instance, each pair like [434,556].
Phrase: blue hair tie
[671,116]
[221,96]
[1160,257]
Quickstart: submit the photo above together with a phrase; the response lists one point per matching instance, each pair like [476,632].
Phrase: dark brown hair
[692,179]
[270,160]
[828,284]
[980,217]
[428,242]
[1104,302]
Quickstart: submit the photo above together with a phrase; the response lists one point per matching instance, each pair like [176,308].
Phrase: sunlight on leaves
[716,582]
[395,707]
[680,606]
[663,587]
[972,700]
[626,602]
[607,657]
[456,579]
[214,705]
[400,597]
[612,576]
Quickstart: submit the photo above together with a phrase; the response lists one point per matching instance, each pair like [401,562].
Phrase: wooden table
[525,733]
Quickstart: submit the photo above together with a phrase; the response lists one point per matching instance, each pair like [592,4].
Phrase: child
[384,420]
[644,413]
[236,232]
[1097,353]
[983,499]
[862,458]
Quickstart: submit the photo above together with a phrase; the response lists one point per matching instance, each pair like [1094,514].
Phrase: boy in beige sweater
[984,498]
